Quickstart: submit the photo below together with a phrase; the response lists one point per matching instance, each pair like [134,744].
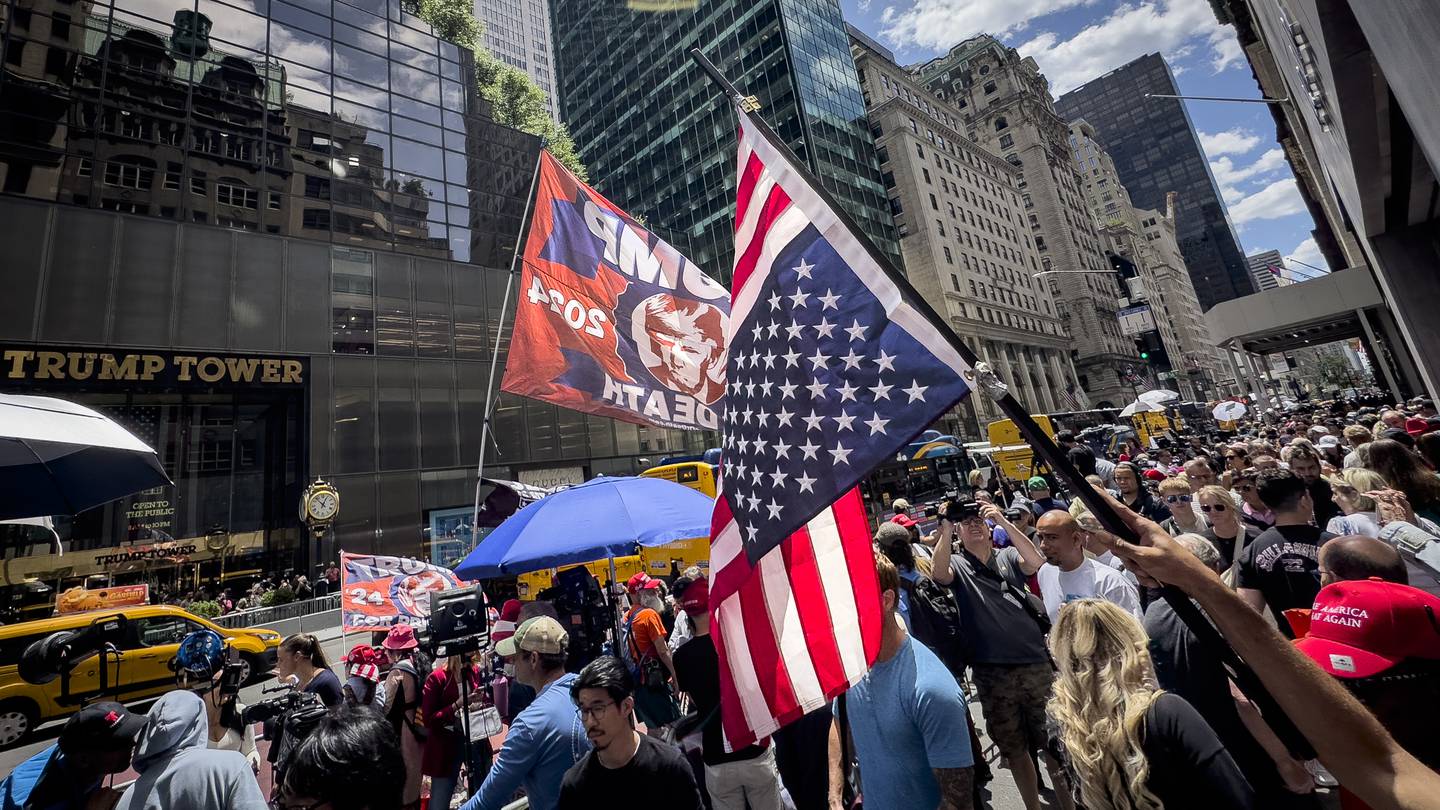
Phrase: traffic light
[1144,355]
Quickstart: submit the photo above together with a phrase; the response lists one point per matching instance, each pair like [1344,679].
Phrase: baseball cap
[900,505]
[903,520]
[101,726]
[1014,513]
[1153,474]
[540,634]
[641,582]
[1036,482]
[1328,441]
[696,598]
[504,627]
[1416,426]
[1360,628]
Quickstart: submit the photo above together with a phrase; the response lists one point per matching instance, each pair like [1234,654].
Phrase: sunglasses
[1219,507]
[1178,499]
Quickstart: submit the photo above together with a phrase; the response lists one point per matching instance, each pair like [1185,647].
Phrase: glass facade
[229,190]
[1156,151]
[660,139]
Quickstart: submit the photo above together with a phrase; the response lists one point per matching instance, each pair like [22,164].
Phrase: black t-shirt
[1189,767]
[1283,564]
[697,671]
[1323,496]
[1227,545]
[657,778]
[327,686]
[1190,670]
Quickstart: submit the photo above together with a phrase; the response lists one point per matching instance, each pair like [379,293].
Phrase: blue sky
[1076,40]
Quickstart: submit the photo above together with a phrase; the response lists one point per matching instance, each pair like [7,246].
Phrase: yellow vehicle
[1011,454]
[697,475]
[149,641]
[1153,425]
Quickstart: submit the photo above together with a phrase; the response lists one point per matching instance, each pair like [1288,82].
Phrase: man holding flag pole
[835,364]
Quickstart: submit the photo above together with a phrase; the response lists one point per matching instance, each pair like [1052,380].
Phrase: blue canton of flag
[832,369]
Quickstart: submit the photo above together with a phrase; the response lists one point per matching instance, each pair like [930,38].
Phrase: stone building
[1181,355]
[1005,106]
[964,240]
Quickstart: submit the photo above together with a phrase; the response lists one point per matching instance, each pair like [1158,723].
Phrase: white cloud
[1225,49]
[1229,176]
[1130,31]
[939,24]
[1235,141]
[864,5]
[1307,253]
[1276,200]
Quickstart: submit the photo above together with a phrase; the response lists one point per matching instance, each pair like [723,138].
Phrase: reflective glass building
[660,139]
[1156,151]
[271,238]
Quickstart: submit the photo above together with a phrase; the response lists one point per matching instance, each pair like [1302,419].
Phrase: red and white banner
[378,592]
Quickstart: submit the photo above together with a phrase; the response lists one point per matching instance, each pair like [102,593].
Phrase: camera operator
[300,655]
[178,771]
[200,666]
[351,761]
[97,741]
[1006,627]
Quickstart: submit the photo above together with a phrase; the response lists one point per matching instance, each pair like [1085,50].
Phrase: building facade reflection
[315,182]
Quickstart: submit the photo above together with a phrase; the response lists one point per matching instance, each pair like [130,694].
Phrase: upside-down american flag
[834,366]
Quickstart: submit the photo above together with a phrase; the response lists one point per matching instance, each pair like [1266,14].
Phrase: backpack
[935,622]
[398,715]
[645,669]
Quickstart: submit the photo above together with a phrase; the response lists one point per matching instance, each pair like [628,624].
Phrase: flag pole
[985,379]
[495,352]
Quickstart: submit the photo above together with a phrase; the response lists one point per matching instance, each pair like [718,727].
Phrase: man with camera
[547,737]
[1006,628]
[97,741]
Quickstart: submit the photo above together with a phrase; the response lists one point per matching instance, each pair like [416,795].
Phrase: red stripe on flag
[775,203]
[855,537]
[765,655]
[814,608]
[748,178]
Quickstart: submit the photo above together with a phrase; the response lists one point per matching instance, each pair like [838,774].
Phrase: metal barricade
[269,615]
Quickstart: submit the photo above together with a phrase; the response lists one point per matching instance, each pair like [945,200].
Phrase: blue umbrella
[606,517]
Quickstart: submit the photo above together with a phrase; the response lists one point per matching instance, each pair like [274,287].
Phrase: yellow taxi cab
[149,642]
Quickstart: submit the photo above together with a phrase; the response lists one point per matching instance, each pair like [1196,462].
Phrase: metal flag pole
[985,379]
[495,352]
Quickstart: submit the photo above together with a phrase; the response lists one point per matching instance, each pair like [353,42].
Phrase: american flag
[1073,398]
[834,366]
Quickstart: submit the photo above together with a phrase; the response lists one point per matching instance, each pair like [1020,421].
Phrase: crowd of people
[1302,541]
[276,588]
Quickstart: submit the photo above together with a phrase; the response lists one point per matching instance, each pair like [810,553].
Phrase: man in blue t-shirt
[906,720]
[97,741]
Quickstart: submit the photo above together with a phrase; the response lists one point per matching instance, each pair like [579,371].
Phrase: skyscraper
[518,33]
[1156,151]
[1260,264]
[1006,107]
[659,138]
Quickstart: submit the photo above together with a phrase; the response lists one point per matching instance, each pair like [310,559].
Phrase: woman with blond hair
[1131,746]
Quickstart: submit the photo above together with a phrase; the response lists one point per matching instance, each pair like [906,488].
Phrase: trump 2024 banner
[611,319]
[379,592]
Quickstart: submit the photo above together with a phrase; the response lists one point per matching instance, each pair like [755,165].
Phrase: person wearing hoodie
[177,769]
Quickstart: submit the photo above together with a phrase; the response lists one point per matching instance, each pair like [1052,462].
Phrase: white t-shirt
[1090,579]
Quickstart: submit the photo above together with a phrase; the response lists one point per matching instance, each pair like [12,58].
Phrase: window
[15,52]
[82,169]
[933,204]
[926,174]
[940,227]
[1006,141]
[989,88]
[887,177]
[238,196]
[883,154]
[197,186]
[160,631]
[172,181]
[316,218]
[895,208]
[948,258]
[1001,123]
[920,150]
[954,279]
[128,175]
[274,202]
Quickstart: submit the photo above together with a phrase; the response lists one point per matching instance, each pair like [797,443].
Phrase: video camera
[288,720]
[958,507]
[458,622]
[58,654]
